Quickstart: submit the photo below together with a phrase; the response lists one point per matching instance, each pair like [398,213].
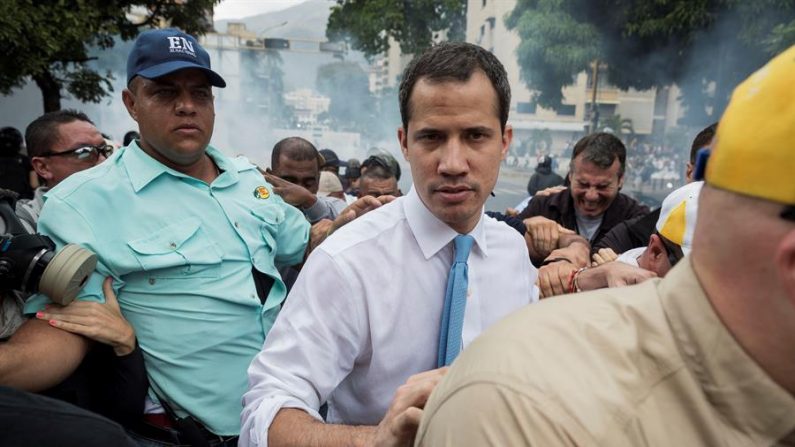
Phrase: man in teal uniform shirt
[191,238]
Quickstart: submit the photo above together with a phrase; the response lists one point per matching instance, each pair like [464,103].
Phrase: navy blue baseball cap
[160,52]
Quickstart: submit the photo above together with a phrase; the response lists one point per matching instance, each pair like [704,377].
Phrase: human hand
[511,212]
[399,426]
[319,231]
[102,322]
[619,274]
[544,234]
[603,256]
[553,279]
[359,208]
[295,195]
[549,191]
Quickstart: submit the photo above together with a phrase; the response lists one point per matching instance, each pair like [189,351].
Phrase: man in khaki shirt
[705,356]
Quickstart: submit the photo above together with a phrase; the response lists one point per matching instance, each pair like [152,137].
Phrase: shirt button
[237,225]
[172,245]
[151,281]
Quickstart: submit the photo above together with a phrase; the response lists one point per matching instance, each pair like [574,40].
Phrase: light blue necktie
[455,302]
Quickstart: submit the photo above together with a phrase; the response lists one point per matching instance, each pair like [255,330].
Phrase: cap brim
[166,68]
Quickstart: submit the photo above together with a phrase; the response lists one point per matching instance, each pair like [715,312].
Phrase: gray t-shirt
[587,226]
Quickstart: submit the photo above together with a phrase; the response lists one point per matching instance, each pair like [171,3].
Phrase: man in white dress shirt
[364,316]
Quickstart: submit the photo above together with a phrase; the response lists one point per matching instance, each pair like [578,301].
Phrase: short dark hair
[42,133]
[130,136]
[455,61]
[601,149]
[704,138]
[295,148]
[10,141]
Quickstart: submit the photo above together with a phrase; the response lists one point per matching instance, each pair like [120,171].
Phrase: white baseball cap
[677,220]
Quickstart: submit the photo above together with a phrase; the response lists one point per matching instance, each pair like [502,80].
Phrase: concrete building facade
[651,111]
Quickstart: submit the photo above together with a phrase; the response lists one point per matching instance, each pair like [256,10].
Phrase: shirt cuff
[257,421]
[317,211]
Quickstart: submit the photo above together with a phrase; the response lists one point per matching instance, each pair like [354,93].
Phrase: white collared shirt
[365,312]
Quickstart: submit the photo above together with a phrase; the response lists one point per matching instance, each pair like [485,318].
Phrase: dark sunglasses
[83,152]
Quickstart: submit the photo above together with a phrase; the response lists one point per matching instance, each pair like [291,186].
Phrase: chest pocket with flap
[270,218]
[179,250]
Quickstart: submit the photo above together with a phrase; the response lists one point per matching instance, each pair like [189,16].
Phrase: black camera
[30,263]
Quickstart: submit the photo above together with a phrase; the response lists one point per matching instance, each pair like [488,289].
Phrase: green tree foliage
[50,41]
[367,25]
[705,46]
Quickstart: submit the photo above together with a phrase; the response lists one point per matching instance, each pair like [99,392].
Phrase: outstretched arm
[40,356]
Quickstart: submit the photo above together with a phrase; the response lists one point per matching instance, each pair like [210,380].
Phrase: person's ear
[507,137]
[42,168]
[689,172]
[658,255]
[402,135]
[129,102]
[785,264]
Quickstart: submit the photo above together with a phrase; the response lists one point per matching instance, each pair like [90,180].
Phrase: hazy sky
[236,9]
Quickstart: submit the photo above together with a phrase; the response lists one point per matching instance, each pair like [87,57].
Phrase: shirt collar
[431,233]
[142,169]
[737,387]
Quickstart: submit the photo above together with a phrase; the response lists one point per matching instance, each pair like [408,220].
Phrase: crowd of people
[301,305]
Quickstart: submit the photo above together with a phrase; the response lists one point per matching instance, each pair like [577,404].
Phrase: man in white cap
[671,241]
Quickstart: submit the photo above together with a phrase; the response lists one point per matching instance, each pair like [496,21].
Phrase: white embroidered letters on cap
[180,45]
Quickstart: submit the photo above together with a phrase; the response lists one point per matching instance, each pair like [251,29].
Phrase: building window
[526,107]
[566,110]
[484,4]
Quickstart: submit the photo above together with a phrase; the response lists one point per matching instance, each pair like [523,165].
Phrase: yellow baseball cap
[754,149]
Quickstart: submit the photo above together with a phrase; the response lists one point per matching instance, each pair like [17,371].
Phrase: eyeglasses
[84,152]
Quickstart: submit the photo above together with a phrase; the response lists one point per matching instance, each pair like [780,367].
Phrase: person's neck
[755,316]
[203,169]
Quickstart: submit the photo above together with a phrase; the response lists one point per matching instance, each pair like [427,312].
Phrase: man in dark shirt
[592,205]
[635,232]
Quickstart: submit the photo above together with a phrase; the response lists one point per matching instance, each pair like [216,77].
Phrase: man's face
[454,146]
[594,188]
[304,172]
[53,169]
[370,186]
[175,115]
